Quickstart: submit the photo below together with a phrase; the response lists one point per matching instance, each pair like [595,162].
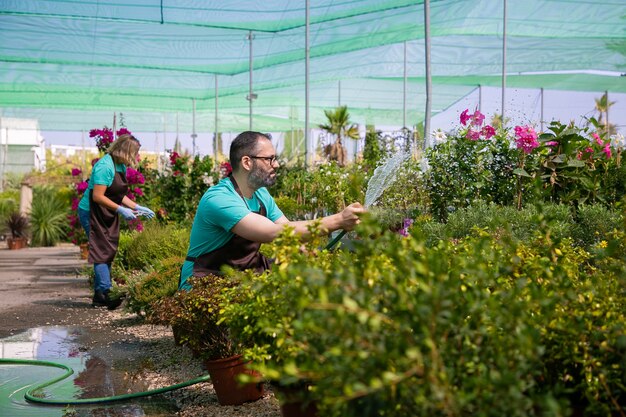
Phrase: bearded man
[238,214]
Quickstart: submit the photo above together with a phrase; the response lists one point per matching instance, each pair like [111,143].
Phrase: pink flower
[138,191]
[607,150]
[76,172]
[488,131]
[478,118]
[225,169]
[552,143]
[123,131]
[75,202]
[81,187]
[134,177]
[404,231]
[472,134]
[173,157]
[597,139]
[526,138]
[465,117]
[589,149]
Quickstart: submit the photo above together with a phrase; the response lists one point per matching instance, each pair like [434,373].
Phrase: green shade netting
[67,62]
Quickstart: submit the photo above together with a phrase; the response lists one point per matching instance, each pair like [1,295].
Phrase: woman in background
[99,210]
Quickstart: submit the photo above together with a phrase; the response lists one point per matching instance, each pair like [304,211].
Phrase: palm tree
[602,107]
[340,126]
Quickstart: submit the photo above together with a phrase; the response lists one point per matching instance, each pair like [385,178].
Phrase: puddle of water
[92,377]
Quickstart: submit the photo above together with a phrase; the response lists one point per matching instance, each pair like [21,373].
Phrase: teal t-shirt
[220,209]
[103,173]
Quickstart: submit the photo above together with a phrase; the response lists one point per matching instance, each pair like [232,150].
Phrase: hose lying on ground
[29,396]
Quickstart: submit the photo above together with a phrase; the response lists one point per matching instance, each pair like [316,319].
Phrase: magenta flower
[134,177]
[488,131]
[123,131]
[477,118]
[607,150]
[472,134]
[174,157]
[552,143]
[597,139]
[465,117]
[138,191]
[76,172]
[404,231]
[75,202]
[526,138]
[81,187]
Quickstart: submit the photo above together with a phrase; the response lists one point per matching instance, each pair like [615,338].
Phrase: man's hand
[350,216]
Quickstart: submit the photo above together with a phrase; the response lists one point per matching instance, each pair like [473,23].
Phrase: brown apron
[104,224]
[238,252]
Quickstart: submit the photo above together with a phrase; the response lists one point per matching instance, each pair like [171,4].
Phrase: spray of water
[383,177]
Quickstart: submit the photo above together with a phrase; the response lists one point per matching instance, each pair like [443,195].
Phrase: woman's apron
[238,252]
[104,224]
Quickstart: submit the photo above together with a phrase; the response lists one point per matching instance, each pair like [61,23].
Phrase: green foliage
[138,251]
[195,315]
[463,171]
[483,326]
[179,188]
[8,204]
[594,224]
[48,217]
[17,224]
[372,151]
[322,190]
[154,284]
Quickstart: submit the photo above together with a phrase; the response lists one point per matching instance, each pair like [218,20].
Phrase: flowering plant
[77,234]
[104,137]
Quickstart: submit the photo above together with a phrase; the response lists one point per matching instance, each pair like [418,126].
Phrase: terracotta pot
[293,401]
[84,250]
[16,242]
[229,391]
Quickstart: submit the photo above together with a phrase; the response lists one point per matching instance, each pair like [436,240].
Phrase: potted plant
[195,317]
[18,225]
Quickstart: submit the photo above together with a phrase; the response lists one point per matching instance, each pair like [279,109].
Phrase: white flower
[438,137]
[328,188]
[207,179]
[618,141]
[424,165]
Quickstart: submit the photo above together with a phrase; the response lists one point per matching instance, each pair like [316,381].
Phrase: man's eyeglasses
[270,159]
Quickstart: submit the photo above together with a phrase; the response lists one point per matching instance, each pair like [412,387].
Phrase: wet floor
[93,377]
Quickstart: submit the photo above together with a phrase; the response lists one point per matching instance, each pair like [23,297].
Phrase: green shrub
[154,284]
[138,251]
[48,217]
[484,326]
[594,223]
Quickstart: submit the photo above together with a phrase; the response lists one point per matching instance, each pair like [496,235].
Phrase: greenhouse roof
[71,63]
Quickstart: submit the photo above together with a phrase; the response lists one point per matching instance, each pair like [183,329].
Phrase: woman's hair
[244,144]
[124,150]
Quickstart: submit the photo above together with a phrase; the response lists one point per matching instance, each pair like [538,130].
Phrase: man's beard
[259,178]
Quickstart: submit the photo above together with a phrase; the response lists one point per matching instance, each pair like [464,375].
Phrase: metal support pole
[306,83]
[193,128]
[428,75]
[404,90]
[480,98]
[251,95]
[503,61]
[608,127]
[339,93]
[217,132]
[542,118]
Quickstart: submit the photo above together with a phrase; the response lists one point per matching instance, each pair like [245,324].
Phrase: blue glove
[126,213]
[144,211]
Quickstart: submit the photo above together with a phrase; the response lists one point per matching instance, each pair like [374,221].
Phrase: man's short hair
[244,144]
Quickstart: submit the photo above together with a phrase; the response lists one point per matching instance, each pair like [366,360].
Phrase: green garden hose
[36,398]
[335,240]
